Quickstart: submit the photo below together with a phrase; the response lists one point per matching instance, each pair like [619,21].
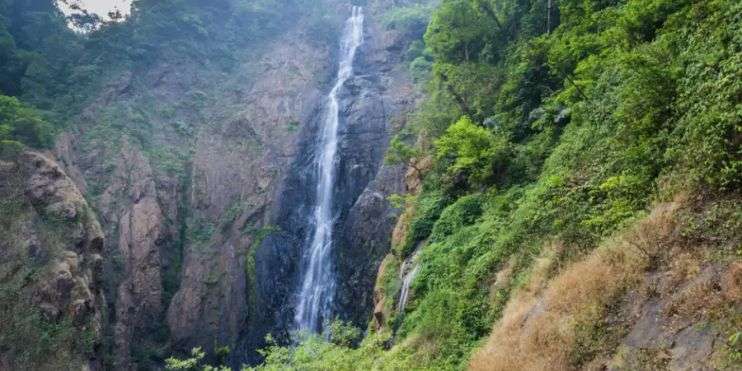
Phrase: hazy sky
[101,7]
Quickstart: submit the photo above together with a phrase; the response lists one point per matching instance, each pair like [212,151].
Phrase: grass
[563,323]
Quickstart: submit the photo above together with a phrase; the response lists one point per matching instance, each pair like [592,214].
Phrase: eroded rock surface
[372,106]
[50,266]
[190,167]
[131,207]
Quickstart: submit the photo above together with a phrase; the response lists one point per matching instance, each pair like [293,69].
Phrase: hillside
[186,128]
[454,184]
[573,194]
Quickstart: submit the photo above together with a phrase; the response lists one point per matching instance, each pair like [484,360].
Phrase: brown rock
[57,231]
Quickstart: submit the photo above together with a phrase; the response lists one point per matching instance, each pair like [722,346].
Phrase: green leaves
[622,104]
[456,31]
[188,364]
[472,150]
[21,123]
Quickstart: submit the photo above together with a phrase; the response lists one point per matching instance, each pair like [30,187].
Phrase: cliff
[199,178]
[52,299]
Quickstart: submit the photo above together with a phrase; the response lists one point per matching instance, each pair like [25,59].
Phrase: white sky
[100,7]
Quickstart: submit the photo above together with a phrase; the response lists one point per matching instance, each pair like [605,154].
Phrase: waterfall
[316,293]
[407,272]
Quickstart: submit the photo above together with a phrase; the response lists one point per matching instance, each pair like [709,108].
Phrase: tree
[22,124]
[456,31]
[472,150]
[194,363]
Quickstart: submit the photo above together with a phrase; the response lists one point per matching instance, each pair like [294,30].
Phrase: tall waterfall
[317,289]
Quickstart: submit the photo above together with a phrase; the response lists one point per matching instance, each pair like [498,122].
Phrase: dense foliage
[56,70]
[546,121]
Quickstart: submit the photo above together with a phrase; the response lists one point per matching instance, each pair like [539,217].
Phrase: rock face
[138,224]
[370,102]
[237,167]
[203,198]
[669,330]
[380,95]
[50,267]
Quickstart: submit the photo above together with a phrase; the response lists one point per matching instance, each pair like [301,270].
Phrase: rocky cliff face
[371,102]
[237,166]
[201,177]
[51,268]
[138,223]
[377,98]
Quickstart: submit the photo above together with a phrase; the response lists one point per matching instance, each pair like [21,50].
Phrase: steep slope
[190,155]
[51,298]
[658,296]
[369,104]
[574,194]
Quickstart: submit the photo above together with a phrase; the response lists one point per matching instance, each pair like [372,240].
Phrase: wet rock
[370,102]
[239,165]
[563,116]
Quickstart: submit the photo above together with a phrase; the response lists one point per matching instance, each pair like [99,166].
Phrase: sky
[100,7]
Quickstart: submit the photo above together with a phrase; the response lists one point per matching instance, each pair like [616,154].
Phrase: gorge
[219,218]
[371,185]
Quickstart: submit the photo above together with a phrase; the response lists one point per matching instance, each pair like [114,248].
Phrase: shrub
[463,212]
[21,123]
[473,151]
[427,209]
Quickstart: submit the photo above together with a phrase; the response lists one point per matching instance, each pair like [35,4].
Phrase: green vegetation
[34,337]
[411,21]
[547,122]
[106,88]
[21,124]
[55,72]
[193,363]
[544,124]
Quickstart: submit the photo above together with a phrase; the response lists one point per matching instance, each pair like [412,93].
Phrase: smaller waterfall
[407,273]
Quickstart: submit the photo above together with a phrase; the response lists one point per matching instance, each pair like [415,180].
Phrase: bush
[465,211]
[427,209]
[410,20]
[583,129]
[22,124]
[473,151]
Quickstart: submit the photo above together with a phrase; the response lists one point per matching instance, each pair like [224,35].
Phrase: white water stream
[407,273]
[316,293]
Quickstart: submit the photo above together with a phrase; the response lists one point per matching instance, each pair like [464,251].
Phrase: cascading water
[318,284]
[407,273]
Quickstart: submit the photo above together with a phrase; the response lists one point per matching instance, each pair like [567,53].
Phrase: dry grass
[542,324]
[731,283]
